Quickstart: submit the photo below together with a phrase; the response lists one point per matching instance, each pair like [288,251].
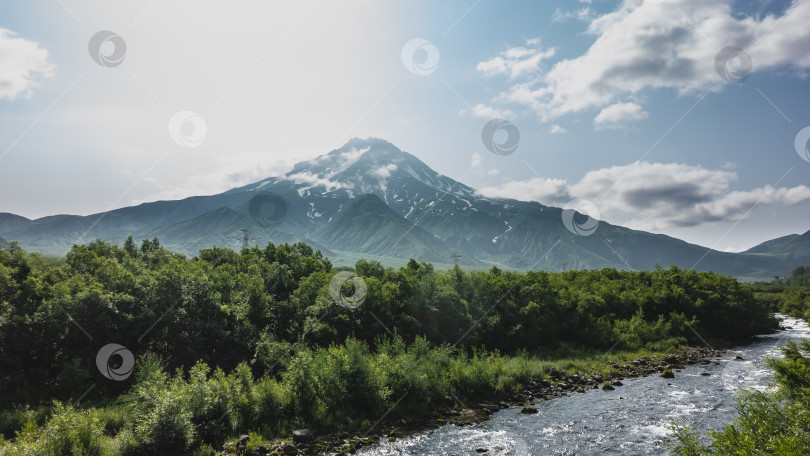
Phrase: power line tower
[245,239]
[455,258]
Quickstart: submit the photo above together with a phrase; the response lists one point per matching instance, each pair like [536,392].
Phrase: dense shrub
[67,431]
[230,342]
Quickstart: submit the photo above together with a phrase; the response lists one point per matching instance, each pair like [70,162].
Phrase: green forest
[257,342]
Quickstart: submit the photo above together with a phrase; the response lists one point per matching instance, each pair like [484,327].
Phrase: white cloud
[477,159]
[557,130]
[517,61]
[618,114]
[582,14]
[350,156]
[647,45]
[243,168]
[384,171]
[308,177]
[22,62]
[547,191]
[344,159]
[736,204]
[655,196]
[230,172]
[488,112]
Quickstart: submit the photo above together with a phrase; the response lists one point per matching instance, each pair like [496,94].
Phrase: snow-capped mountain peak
[364,166]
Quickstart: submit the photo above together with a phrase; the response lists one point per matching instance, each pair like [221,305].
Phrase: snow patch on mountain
[495,239]
[262,184]
[313,213]
[383,173]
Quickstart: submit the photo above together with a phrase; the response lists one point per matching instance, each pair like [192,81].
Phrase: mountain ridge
[414,212]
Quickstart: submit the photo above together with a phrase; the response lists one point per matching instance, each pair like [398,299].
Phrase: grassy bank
[337,389]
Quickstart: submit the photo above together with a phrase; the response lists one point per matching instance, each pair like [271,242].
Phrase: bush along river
[632,418]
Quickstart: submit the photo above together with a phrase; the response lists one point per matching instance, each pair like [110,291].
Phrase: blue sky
[617,102]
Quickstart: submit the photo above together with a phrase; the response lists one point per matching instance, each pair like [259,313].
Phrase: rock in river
[303,436]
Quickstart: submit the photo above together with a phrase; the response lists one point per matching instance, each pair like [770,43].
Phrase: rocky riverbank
[555,384]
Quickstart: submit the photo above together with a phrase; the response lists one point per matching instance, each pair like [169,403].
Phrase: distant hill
[12,222]
[370,199]
[793,248]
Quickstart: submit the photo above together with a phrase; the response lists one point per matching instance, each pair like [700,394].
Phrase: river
[631,420]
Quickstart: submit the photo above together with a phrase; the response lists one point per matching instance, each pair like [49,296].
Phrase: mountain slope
[371,199]
[221,227]
[793,248]
[12,222]
[54,235]
[368,226]
[504,232]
